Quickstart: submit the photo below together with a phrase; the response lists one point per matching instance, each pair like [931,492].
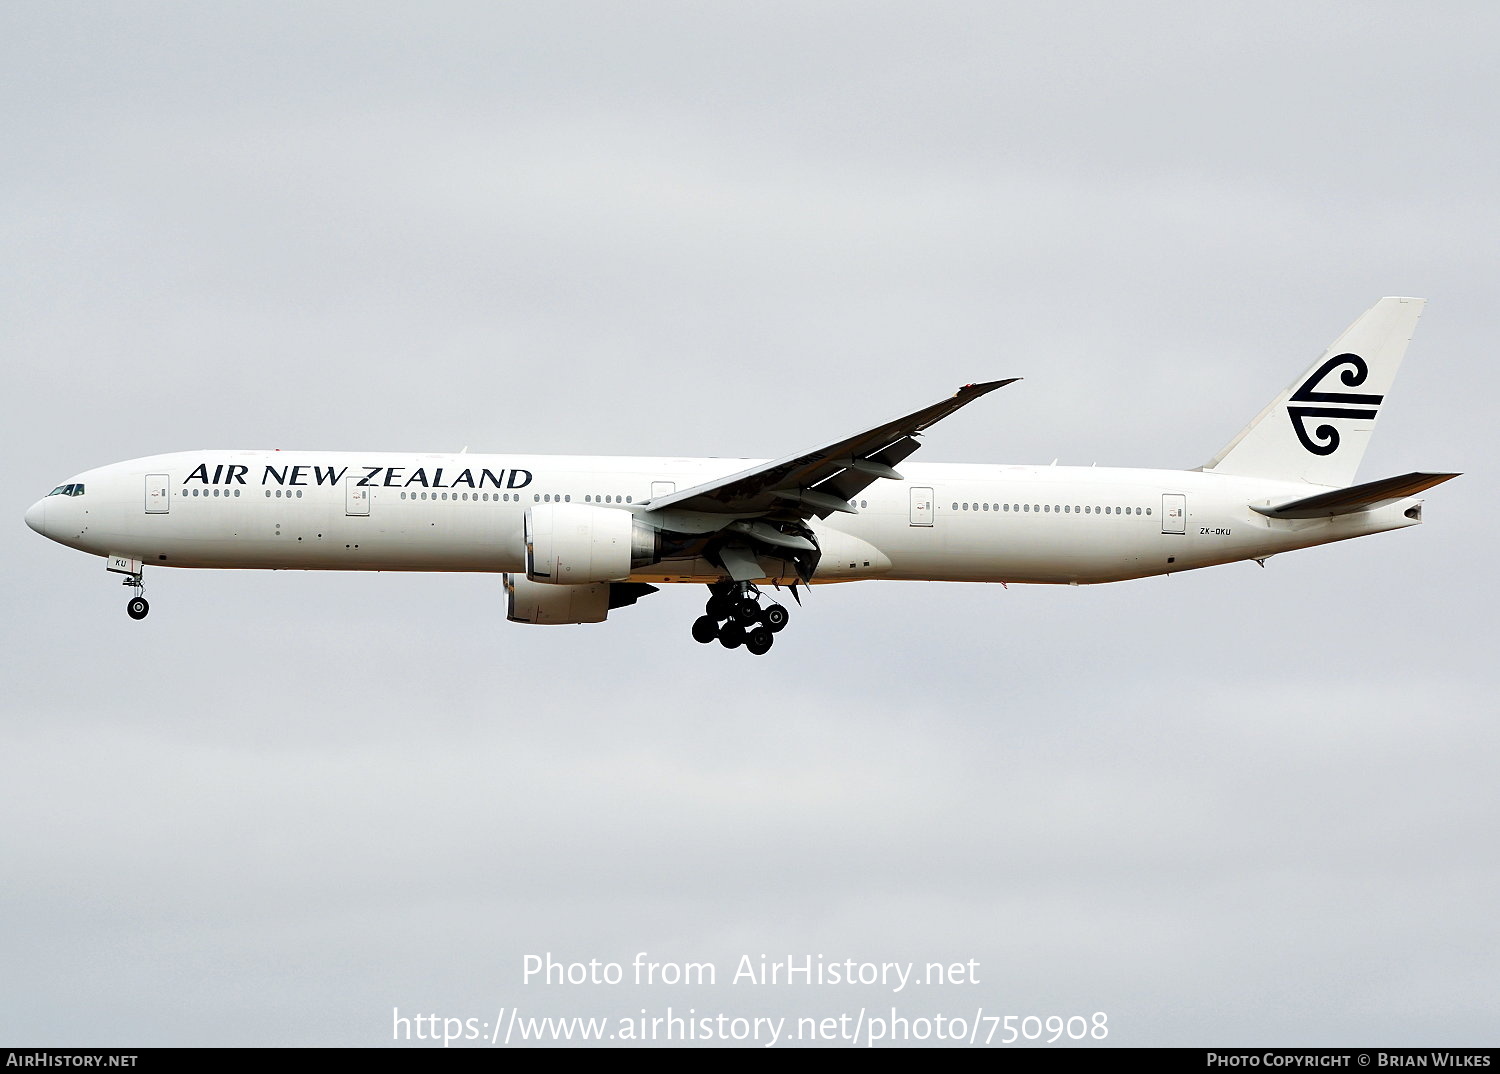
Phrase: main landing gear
[136,607]
[735,617]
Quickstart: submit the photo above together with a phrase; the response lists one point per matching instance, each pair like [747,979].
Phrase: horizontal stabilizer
[1364,497]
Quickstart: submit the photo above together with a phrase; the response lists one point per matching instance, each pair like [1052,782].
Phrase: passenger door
[922,512]
[1173,513]
[158,494]
[356,497]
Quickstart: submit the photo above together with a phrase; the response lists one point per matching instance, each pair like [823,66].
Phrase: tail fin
[1317,430]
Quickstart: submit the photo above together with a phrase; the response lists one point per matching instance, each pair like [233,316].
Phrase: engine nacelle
[538,602]
[546,603]
[573,543]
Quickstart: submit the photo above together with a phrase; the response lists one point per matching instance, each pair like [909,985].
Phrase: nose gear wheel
[136,607]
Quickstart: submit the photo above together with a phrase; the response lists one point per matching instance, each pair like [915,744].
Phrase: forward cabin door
[158,494]
[1173,513]
[356,497]
[921,507]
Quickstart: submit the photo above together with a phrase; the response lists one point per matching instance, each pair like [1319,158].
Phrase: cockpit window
[67,490]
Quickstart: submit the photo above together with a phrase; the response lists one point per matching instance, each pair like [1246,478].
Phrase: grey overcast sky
[1237,806]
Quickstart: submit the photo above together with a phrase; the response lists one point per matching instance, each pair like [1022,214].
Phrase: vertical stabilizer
[1317,430]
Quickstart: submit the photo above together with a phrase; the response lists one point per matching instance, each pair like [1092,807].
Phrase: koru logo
[1325,438]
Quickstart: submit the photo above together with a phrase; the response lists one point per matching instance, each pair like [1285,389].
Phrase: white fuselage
[295,510]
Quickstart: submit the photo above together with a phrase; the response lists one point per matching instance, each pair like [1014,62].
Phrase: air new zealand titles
[364,476]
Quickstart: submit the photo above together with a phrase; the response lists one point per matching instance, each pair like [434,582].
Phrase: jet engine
[546,603]
[574,543]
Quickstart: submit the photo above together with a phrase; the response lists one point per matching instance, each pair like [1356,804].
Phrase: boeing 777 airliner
[576,537]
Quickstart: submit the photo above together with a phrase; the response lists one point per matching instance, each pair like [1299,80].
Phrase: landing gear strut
[136,607]
[734,616]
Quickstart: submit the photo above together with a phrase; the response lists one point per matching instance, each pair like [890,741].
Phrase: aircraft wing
[820,482]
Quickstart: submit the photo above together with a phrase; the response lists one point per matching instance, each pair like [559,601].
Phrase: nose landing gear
[734,617]
[136,607]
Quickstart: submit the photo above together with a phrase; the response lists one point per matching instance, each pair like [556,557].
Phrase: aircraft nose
[36,516]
